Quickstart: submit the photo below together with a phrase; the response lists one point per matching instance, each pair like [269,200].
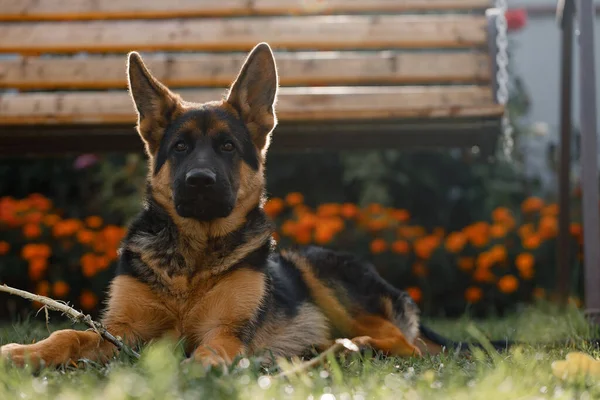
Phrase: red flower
[516,19]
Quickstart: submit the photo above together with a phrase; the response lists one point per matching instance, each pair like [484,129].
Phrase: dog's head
[206,158]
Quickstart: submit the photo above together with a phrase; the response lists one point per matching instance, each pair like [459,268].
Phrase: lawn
[522,373]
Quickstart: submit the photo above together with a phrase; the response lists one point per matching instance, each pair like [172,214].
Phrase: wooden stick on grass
[339,345]
[73,314]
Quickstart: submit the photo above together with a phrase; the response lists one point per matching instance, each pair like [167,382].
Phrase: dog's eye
[227,146]
[180,146]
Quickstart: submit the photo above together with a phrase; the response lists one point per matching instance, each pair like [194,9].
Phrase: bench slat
[294,104]
[218,70]
[321,32]
[24,10]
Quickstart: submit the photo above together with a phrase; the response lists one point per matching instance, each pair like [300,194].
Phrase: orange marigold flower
[532,204]
[112,253]
[419,269]
[301,209]
[323,234]
[37,267]
[34,217]
[378,224]
[4,247]
[524,261]
[60,288]
[328,210]
[455,242]
[375,208]
[88,264]
[526,230]
[88,300]
[400,215]
[113,235]
[303,236]
[94,222]
[483,275]
[378,246]
[33,250]
[498,231]
[289,228]
[348,210]
[273,207]
[425,246]
[439,232]
[400,247]
[102,262]
[294,199]
[532,242]
[477,233]
[415,293]
[480,241]
[66,227]
[307,221]
[335,223]
[576,229]
[42,288]
[473,294]
[50,220]
[550,210]
[501,214]
[466,263]
[85,236]
[508,284]
[31,231]
[38,201]
[485,260]
[548,227]
[509,224]
[275,236]
[498,253]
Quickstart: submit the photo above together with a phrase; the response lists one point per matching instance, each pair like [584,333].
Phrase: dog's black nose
[200,177]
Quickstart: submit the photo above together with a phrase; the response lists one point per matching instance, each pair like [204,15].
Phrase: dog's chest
[212,304]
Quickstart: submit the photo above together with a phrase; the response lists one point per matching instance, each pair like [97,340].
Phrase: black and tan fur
[198,262]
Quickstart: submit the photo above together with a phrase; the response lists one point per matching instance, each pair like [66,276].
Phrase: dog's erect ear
[154,102]
[254,92]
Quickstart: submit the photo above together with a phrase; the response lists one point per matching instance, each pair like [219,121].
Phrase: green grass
[522,373]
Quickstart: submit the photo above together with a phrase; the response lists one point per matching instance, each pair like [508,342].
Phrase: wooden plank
[322,33]
[59,10]
[332,103]
[218,70]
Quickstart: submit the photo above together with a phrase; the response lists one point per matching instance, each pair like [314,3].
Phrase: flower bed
[488,264]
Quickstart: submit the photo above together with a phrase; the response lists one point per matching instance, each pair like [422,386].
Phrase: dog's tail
[429,335]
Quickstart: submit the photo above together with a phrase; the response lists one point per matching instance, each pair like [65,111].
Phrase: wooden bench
[354,73]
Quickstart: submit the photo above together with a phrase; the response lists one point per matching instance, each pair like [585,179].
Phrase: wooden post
[566,18]
[589,158]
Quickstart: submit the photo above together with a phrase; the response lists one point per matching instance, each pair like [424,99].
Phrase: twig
[73,314]
[340,344]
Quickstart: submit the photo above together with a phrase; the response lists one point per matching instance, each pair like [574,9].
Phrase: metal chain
[502,77]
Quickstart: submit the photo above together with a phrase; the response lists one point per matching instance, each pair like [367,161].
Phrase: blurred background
[459,229]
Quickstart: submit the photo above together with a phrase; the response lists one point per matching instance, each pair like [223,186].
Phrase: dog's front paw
[21,354]
[208,361]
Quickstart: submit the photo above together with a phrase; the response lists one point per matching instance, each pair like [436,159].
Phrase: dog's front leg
[60,348]
[218,347]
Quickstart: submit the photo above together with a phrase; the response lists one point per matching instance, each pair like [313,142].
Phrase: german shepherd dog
[199,262]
